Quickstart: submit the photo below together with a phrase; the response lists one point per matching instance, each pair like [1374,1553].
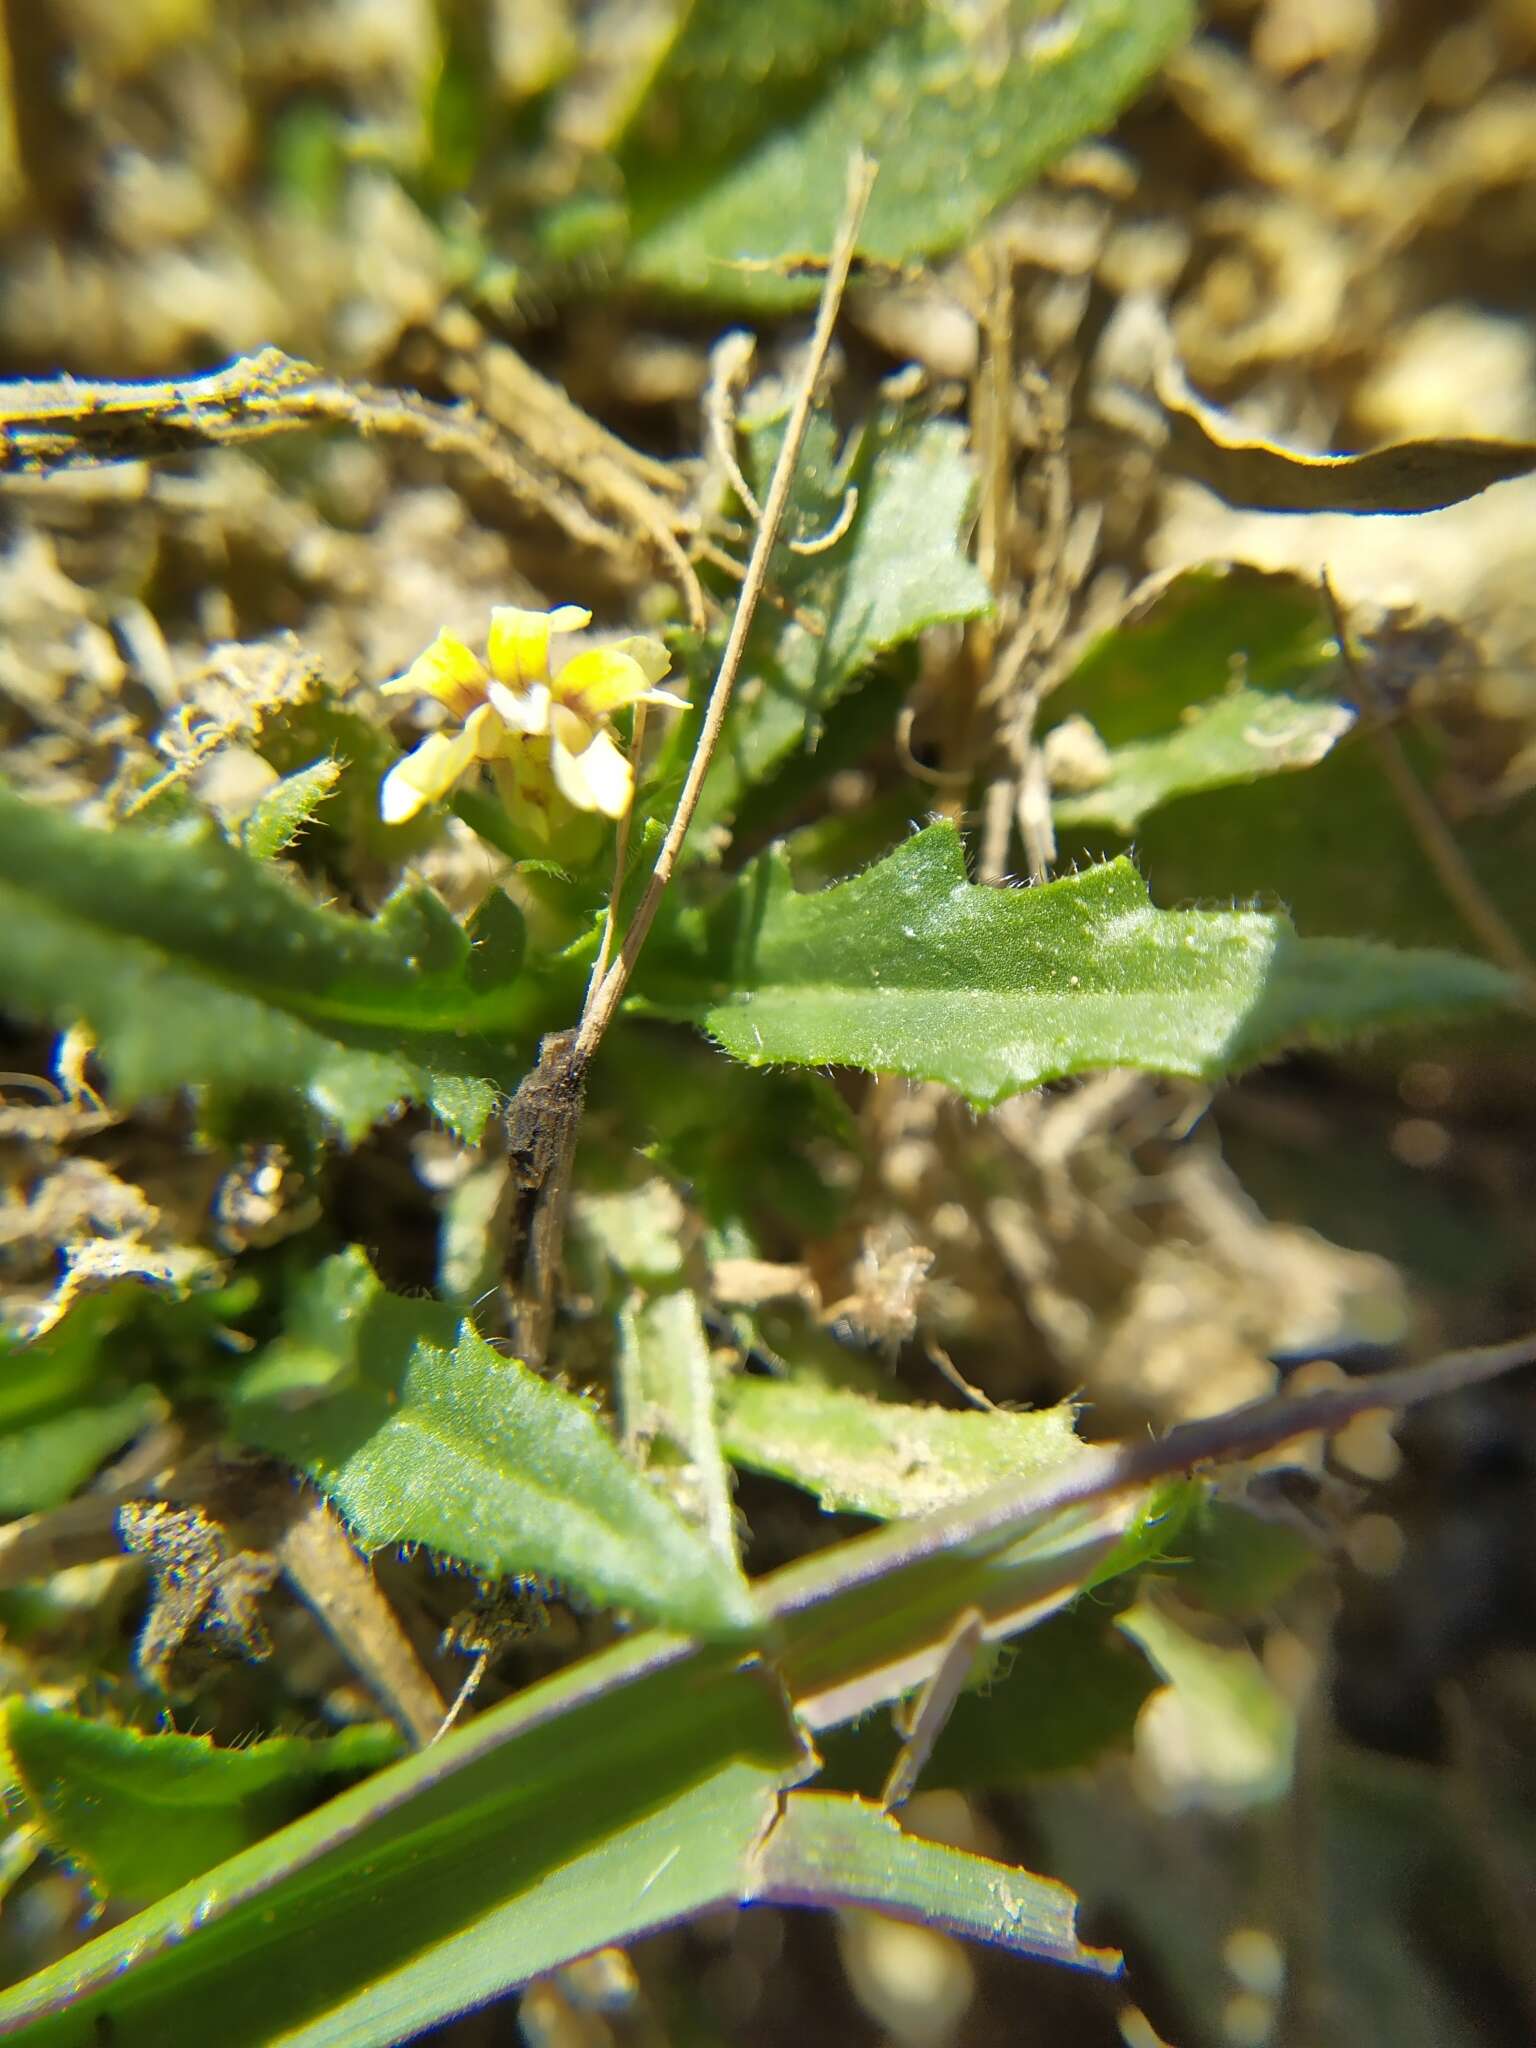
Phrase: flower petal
[649,653]
[518,644]
[448,671]
[597,779]
[521,711]
[600,680]
[424,775]
[569,729]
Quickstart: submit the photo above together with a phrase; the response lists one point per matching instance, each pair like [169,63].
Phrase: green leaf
[739,151]
[571,1816]
[829,1851]
[49,1461]
[421,1433]
[618,1796]
[897,570]
[1060,1697]
[910,969]
[751,1148]
[68,1400]
[667,1384]
[193,962]
[144,1813]
[884,1458]
[1227,675]
[1221,1735]
[1210,630]
[1232,739]
[277,818]
[1334,844]
[1232,1561]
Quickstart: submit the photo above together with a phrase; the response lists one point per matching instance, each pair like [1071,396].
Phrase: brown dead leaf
[1207,446]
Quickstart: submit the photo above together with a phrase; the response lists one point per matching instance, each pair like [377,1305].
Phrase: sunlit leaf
[735,162]
[421,1433]
[911,969]
[884,1458]
[1231,739]
[1223,676]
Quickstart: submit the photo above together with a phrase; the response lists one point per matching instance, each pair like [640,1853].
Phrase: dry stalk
[545,1115]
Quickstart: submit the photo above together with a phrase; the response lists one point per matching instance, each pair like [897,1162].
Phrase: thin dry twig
[1437,842]
[546,1112]
[608,995]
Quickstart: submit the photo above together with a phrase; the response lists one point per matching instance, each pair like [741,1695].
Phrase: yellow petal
[448,671]
[521,711]
[569,730]
[425,775]
[596,779]
[601,680]
[650,654]
[518,645]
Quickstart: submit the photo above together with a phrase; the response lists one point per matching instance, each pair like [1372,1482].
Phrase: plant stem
[606,996]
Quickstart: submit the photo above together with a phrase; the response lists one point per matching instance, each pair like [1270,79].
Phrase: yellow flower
[545,736]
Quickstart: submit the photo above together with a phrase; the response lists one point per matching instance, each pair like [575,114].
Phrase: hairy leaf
[193,962]
[884,1458]
[911,969]
[277,818]
[421,1433]
[144,1813]
[618,1796]
[735,163]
